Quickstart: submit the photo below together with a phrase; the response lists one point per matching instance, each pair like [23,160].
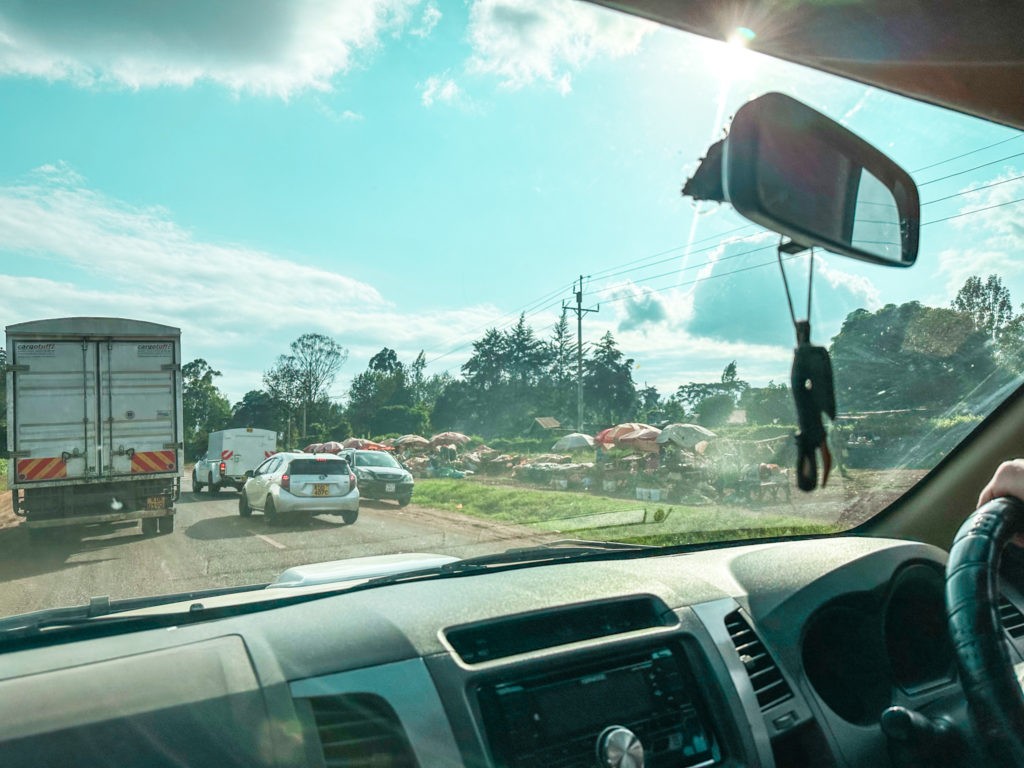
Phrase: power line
[973,190]
[604,273]
[975,168]
[975,210]
[967,154]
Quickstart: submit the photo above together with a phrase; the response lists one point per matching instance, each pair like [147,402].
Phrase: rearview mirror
[801,174]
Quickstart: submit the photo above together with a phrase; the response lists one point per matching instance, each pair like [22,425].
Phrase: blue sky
[407,174]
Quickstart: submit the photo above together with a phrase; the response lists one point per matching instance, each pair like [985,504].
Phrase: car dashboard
[781,653]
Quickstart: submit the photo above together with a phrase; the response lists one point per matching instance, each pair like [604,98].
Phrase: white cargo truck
[229,454]
[94,422]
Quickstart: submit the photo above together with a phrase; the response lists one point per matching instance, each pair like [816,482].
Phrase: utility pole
[580,311]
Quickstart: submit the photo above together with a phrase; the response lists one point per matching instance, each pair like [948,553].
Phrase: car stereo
[561,718]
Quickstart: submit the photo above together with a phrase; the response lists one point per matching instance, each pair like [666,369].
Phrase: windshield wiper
[518,557]
[34,623]
[99,616]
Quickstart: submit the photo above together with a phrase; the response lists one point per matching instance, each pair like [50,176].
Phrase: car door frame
[258,492]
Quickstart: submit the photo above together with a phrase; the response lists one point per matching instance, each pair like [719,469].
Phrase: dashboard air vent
[770,686]
[511,635]
[1012,618]
[361,731]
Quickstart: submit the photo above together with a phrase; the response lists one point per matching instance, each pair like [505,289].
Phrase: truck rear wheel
[150,526]
[211,487]
[196,485]
[166,524]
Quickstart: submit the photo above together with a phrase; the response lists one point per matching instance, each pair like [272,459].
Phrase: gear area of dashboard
[642,709]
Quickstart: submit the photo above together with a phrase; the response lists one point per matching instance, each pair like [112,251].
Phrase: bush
[523,444]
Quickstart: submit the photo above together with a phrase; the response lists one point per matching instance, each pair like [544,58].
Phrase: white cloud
[430,18]
[992,221]
[440,88]
[525,41]
[80,253]
[339,116]
[275,47]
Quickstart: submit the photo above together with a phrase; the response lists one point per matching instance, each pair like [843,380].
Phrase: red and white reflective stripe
[48,468]
[225,455]
[145,462]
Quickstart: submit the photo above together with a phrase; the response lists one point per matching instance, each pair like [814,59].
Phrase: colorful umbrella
[643,439]
[573,442]
[364,445]
[611,435]
[412,441]
[685,435]
[444,438]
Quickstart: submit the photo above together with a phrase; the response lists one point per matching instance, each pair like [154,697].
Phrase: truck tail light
[286,482]
[223,467]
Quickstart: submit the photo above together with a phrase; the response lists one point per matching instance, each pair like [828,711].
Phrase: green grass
[544,509]
[511,504]
[3,475]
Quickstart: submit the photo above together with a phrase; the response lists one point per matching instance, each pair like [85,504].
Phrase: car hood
[358,568]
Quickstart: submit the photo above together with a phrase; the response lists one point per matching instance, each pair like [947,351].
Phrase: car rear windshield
[318,467]
[375,459]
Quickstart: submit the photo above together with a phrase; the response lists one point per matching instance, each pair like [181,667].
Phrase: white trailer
[229,454]
[94,420]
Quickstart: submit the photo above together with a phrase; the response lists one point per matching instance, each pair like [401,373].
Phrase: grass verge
[676,524]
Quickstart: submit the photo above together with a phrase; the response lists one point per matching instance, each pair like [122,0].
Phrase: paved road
[212,546]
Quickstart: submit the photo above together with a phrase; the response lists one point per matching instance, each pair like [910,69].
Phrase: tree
[912,356]
[988,304]
[562,369]
[259,409]
[609,393]
[383,384]
[772,404]
[713,411]
[400,419]
[729,387]
[303,377]
[204,408]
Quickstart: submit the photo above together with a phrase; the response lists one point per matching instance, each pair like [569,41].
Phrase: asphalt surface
[212,546]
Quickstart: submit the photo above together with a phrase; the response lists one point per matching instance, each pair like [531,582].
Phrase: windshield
[453,231]
[314,467]
[375,460]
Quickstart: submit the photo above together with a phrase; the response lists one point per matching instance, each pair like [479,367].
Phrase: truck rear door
[55,430]
[137,403]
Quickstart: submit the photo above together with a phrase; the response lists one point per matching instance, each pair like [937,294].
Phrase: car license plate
[154,502]
[389,488]
[320,489]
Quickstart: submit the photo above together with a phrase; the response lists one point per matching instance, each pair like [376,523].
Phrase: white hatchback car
[301,483]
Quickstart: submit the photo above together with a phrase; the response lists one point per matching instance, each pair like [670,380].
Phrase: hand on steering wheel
[993,693]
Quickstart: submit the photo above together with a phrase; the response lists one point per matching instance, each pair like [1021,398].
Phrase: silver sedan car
[301,483]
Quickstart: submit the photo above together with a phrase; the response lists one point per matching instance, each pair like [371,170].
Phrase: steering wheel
[993,694]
